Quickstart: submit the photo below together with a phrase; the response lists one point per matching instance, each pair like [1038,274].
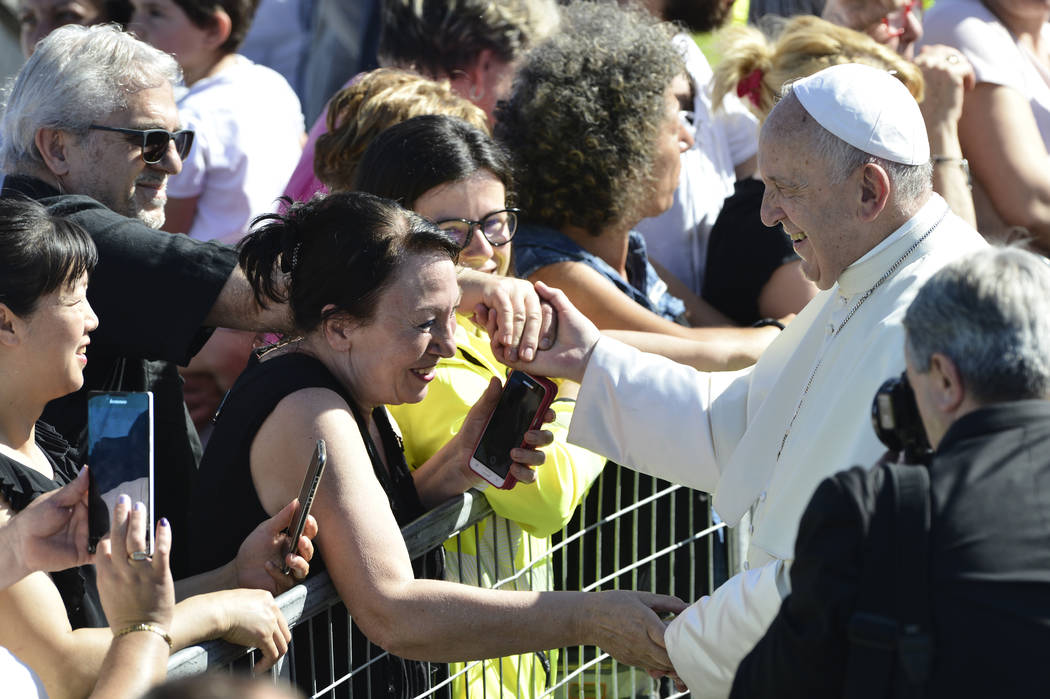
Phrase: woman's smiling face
[57,338]
[471,198]
[392,357]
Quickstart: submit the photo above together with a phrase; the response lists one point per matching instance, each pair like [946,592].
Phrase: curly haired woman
[594,130]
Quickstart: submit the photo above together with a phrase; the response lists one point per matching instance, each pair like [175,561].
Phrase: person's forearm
[724,349]
[72,668]
[236,308]
[443,622]
[437,480]
[950,178]
[11,568]
[196,619]
[222,578]
[135,662]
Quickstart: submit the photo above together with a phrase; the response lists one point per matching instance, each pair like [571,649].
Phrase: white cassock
[808,398]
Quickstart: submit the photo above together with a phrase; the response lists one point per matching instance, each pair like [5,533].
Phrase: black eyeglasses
[497,227]
[154,142]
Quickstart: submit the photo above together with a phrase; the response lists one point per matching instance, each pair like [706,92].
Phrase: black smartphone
[521,406]
[120,457]
[306,500]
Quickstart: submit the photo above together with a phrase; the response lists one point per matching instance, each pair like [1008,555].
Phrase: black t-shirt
[151,291]
[21,485]
[742,254]
[226,508]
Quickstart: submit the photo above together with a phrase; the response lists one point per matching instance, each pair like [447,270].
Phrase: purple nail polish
[124,500]
[164,522]
[139,506]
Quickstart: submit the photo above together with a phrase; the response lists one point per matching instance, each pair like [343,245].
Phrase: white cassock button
[747,566]
[831,328]
[751,529]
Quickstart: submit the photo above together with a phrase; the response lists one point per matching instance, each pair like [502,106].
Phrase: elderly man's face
[814,211]
[108,166]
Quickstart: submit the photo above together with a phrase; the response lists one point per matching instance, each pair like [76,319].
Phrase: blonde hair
[806,45]
[377,101]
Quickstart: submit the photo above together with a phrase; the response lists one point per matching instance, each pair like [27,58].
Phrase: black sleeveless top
[21,485]
[225,507]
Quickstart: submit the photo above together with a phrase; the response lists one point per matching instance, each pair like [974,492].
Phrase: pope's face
[813,209]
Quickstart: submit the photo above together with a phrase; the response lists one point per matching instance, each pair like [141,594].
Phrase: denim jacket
[537,246]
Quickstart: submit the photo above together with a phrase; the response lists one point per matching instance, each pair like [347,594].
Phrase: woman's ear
[10,327]
[338,329]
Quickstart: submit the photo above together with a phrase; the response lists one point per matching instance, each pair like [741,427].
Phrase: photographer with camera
[934,580]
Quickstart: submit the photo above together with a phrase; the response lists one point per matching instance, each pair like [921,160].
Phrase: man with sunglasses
[90,129]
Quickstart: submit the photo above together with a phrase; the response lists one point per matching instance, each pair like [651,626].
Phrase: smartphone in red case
[521,408]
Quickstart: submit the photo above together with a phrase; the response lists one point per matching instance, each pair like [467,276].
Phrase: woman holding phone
[454,174]
[373,292]
[55,624]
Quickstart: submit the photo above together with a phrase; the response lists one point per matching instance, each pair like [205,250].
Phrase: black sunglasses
[154,142]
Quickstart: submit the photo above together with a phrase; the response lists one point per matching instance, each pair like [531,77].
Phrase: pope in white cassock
[846,164]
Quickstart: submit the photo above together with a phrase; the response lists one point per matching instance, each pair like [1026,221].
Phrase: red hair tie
[751,86]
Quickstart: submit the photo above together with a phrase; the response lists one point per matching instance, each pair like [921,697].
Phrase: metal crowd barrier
[630,532]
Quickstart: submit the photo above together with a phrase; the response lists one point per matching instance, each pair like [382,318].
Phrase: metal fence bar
[673,538]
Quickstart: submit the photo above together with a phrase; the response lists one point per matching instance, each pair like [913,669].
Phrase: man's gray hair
[990,314]
[76,77]
[909,182]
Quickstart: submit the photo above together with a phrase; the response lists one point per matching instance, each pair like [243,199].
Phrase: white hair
[990,314]
[76,77]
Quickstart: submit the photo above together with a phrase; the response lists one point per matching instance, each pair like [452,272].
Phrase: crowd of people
[720,259]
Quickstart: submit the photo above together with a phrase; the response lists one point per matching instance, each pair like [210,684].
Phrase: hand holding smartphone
[306,500]
[521,408]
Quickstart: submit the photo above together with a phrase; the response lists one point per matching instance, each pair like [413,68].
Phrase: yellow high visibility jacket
[511,548]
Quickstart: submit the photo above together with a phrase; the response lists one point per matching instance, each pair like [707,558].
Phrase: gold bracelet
[152,628]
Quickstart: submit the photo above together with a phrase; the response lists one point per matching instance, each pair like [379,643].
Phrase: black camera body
[895,417]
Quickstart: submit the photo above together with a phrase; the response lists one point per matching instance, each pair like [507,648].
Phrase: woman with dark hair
[455,174]
[55,624]
[372,289]
[594,128]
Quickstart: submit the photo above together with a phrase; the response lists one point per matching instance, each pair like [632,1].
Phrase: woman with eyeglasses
[455,175]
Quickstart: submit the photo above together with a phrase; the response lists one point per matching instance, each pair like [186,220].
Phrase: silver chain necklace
[867,294]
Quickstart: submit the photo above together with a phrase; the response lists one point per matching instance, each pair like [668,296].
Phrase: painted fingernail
[164,522]
[124,500]
[139,506]
[527,354]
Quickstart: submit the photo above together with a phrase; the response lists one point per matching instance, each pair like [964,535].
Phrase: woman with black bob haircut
[56,623]
[40,254]
[372,290]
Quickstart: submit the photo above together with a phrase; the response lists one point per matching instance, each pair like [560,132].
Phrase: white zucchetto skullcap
[867,108]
